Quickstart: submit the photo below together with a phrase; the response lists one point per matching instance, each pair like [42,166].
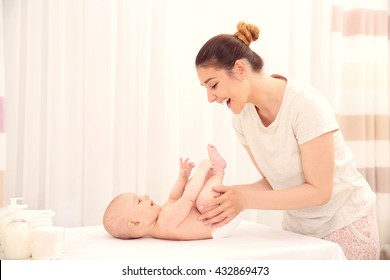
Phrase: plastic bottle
[17,234]
[14,205]
[7,216]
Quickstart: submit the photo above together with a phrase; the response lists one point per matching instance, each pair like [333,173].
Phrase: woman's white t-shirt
[304,115]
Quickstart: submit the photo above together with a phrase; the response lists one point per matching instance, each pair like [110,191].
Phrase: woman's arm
[261,185]
[318,167]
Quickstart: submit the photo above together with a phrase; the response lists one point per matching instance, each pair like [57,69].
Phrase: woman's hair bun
[247,32]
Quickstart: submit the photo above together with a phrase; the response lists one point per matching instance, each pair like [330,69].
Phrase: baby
[132,216]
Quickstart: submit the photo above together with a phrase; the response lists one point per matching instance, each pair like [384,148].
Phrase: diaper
[226,229]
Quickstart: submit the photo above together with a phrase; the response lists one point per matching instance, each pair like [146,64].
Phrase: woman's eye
[214,86]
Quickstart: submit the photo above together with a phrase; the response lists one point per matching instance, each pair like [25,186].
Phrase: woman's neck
[267,95]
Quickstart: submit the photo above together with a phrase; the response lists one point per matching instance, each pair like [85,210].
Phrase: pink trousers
[359,240]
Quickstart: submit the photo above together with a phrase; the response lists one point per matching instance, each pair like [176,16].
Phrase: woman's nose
[211,97]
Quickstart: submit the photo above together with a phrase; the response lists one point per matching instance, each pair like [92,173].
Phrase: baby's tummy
[192,228]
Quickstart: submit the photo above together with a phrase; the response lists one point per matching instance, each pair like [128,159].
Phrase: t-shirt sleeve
[236,122]
[314,118]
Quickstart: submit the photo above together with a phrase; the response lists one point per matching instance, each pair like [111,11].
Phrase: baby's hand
[206,165]
[186,168]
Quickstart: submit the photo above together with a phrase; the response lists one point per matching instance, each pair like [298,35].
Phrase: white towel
[41,224]
[34,214]
[40,218]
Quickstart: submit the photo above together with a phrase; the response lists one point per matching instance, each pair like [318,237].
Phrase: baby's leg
[207,191]
[216,157]
[215,177]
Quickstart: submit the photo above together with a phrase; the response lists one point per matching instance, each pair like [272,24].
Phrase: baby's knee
[204,197]
[200,201]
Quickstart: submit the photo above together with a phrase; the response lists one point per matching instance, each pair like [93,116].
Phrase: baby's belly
[192,228]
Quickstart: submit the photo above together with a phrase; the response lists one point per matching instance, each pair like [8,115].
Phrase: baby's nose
[146,197]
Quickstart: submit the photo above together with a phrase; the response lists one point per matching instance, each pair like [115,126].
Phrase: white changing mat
[250,240]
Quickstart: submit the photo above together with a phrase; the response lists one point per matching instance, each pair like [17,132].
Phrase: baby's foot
[216,157]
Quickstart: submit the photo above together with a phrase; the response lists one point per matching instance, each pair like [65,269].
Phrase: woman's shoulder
[301,95]
[301,89]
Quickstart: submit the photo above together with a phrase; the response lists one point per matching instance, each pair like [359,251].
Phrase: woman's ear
[240,69]
[135,225]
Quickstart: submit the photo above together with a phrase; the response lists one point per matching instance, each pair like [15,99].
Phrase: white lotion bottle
[17,238]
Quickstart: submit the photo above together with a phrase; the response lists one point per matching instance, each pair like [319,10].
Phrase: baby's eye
[139,200]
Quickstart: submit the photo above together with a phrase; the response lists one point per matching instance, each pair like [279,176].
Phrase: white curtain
[360,92]
[102,97]
[2,113]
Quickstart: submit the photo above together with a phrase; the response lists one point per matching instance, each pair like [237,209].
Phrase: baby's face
[142,208]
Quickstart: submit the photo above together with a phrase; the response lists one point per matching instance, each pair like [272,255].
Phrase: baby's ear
[135,225]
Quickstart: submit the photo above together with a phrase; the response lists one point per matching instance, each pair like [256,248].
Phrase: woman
[291,135]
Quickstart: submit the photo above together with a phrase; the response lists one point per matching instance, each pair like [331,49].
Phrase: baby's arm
[179,210]
[184,174]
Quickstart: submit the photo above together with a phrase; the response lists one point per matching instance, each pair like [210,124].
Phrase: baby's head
[130,216]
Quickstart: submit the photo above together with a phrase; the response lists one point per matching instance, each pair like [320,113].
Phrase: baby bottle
[17,236]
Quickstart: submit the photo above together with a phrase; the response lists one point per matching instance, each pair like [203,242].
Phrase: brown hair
[222,51]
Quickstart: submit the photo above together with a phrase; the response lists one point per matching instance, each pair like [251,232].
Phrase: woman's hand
[223,208]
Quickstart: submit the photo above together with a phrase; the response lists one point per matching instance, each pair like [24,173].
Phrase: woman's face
[224,87]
